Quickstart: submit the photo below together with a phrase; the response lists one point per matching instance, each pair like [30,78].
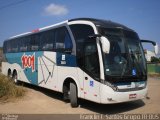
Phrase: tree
[155,60]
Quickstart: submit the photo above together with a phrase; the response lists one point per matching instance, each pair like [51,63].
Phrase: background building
[148,55]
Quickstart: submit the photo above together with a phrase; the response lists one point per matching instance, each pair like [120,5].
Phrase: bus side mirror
[156,49]
[105,44]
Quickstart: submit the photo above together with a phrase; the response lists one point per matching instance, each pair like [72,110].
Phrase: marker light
[36,30]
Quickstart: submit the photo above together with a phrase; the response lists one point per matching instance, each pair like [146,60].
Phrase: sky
[19,16]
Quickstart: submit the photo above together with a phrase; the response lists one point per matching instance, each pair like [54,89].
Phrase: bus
[92,59]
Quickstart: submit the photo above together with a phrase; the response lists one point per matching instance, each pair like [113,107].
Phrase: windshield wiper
[124,67]
[139,68]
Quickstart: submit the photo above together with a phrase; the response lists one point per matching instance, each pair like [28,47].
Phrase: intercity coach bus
[93,59]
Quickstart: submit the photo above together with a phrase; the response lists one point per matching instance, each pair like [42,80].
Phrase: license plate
[132,96]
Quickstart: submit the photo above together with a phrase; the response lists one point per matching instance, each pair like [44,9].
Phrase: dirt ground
[42,101]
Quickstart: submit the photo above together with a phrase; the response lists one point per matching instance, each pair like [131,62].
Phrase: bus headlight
[145,84]
[114,88]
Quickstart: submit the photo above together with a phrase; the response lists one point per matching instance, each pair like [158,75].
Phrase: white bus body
[67,68]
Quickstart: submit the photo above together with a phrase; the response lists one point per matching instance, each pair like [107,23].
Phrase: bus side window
[63,40]
[27,43]
[91,61]
[34,42]
[47,40]
[8,46]
[81,33]
[14,45]
[23,45]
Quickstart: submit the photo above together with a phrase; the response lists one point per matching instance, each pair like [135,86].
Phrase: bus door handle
[86,78]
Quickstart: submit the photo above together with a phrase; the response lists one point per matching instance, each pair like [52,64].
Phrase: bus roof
[103,23]
[97,22]
[39,29]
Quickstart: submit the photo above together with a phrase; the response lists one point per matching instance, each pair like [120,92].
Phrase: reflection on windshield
[137,56]
[126,57]
[116,59]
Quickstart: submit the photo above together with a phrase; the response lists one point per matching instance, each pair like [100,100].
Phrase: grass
[8,90]
[155,75]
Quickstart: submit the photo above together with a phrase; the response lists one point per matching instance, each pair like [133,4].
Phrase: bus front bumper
[109,96]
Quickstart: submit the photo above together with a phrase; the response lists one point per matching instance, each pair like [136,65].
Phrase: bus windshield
[126,56]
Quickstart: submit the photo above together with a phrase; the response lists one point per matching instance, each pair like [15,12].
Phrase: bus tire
[73,95]
[66,93]
[9,73]
[14,77]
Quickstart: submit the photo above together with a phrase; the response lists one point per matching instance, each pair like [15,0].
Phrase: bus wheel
[9,74]
[14,77]
[73,95]
[66,93]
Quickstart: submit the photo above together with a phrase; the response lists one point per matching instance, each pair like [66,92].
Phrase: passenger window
[34,42]
[14,45]
[47,40]
[8,46]
[28,43]
[23,46]
[63,39]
